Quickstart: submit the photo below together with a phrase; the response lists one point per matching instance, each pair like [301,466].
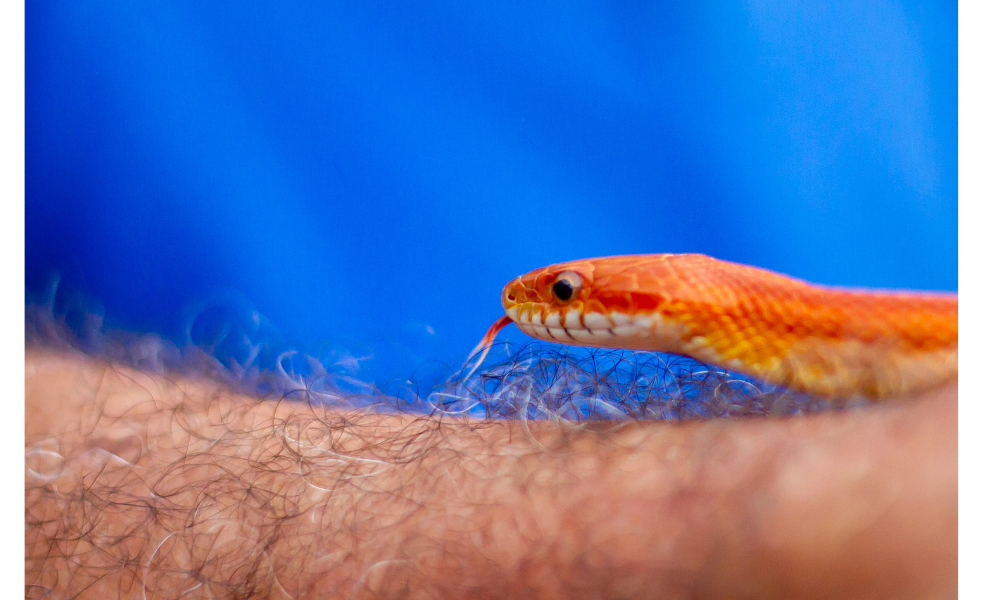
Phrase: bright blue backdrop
[370,173]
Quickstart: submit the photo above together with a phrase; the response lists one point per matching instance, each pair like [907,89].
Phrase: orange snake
[829,342]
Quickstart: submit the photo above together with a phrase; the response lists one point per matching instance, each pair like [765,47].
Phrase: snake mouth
[582,329]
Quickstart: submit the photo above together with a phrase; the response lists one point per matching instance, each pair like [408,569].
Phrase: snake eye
[566,285]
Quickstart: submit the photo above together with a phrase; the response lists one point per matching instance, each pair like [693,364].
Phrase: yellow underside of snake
[829,342]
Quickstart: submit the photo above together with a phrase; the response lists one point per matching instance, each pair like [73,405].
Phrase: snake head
[594,302]
[549,289]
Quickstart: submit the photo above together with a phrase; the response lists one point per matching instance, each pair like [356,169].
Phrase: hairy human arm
[146,486]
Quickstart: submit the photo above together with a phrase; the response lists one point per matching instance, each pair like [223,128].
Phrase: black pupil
[562,289]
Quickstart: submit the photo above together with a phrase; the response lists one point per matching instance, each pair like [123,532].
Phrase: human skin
[140,485]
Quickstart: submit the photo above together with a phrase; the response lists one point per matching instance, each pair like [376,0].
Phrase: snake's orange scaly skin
[824,341]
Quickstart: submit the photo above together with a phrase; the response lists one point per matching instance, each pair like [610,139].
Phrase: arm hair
[139,485]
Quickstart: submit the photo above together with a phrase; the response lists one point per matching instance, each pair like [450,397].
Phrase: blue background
[369,174]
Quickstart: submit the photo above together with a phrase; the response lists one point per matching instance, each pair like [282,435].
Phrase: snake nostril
[510,296]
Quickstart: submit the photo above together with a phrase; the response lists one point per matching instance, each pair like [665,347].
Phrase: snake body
[830,342]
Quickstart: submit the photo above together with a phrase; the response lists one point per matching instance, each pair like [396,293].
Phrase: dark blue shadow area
[367,176]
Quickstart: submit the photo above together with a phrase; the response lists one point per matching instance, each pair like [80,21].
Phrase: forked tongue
[486,343]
